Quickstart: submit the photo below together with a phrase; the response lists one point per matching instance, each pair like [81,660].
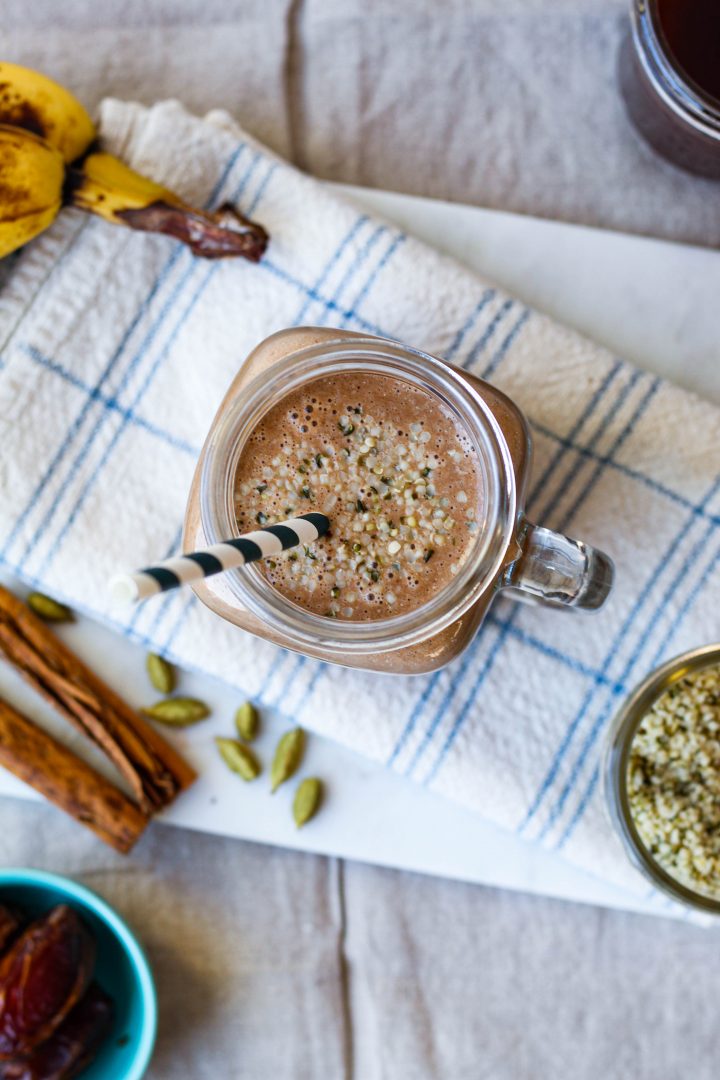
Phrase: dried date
[42,976]
[74,1044]
[11,922]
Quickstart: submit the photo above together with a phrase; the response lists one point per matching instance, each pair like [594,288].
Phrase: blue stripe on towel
[471,651]
[616,687]
[631,618]
[547,510]
[682,613]
[134,364]
[479,347]
[110,403]
[691,559]
[567,443]
[625,470]
[304,290]
[300,661]
[330,266]
[579,424]
[434,678]
[60,260]
[454,347]
[261,191]
[76,425]
[397,242]
[71,517]
[312,294]
[459,720]
[359,259]
[473,317]
[484,300]
[580,460]
[189,604]
[320,669]
[506,345]
[355,266]
[42,528]
[163,604]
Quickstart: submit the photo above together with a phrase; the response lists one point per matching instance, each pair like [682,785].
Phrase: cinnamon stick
[154,771]
[66,780]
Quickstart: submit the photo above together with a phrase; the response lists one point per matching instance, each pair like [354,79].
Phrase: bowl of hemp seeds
[662,778]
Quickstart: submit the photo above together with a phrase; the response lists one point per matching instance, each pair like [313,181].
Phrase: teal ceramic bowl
[121,969]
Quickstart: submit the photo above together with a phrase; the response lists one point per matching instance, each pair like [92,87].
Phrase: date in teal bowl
[121,969]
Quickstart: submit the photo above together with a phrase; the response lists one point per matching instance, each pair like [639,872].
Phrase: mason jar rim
[617,752]
[301,627]
[683,96]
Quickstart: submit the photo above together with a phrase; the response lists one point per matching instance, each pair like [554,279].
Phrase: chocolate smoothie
[392,469]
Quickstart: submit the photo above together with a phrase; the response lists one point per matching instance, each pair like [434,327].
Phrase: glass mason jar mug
[506,553]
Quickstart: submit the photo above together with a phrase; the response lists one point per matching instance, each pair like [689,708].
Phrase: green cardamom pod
[162,674]
[49,609]
[307,800]
[239,758]
[247,721]
[177,712]
[288,755]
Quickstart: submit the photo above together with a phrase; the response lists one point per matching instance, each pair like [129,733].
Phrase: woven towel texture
[116,351]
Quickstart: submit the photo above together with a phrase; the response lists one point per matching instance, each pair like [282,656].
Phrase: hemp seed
[673,781]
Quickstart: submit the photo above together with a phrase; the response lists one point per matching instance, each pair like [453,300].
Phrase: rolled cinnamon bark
[154,771]
[39,760]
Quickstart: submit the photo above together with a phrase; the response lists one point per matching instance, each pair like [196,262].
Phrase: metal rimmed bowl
[620,738]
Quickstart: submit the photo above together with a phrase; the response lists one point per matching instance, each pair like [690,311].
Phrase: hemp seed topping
[392,470]
[673,781]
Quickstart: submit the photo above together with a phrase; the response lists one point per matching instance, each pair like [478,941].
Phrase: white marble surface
[621,290]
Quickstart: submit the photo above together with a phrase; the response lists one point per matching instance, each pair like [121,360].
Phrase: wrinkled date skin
[74,1044]
[42,976]
[11,922]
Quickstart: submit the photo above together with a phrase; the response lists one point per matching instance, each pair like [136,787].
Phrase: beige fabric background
[277,966]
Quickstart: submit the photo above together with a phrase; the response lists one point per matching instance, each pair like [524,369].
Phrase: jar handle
[555,570]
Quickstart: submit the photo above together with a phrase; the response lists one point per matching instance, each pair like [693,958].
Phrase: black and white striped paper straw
[220,557]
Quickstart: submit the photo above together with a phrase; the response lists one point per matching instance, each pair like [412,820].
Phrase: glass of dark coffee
[670,80]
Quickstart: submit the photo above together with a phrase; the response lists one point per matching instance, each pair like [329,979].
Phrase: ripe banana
[44,130]
[32,101]
[31,181]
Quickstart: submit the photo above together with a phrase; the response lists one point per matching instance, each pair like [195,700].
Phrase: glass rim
[678,91]
[306,629]
[617,751]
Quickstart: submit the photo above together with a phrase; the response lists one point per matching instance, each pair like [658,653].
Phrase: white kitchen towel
[116,350]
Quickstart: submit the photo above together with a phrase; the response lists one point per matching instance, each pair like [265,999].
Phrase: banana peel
[44,133]
[104,185]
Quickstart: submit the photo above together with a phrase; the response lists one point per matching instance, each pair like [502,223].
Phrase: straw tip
[123,589]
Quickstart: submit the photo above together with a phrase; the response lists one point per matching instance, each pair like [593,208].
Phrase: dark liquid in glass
[692,32]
